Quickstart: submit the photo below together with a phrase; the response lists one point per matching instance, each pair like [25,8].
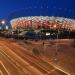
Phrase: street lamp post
[57,26]
[2,23]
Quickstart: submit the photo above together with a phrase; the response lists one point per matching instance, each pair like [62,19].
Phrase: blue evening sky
[65,8]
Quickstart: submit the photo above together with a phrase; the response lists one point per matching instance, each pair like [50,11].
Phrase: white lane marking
[4,67]
[1,72]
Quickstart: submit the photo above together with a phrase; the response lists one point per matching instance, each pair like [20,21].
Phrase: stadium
[38,22]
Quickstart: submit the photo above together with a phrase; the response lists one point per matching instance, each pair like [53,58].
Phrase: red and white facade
[51,22]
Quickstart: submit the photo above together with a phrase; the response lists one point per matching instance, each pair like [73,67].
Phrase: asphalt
[15,59]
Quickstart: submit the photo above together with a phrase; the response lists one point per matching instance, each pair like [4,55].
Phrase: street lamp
[3,22]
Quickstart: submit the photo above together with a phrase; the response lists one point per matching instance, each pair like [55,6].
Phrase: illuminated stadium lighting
[55,26]
[36,21]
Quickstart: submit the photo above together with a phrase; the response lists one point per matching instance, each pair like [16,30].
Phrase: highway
[17,60]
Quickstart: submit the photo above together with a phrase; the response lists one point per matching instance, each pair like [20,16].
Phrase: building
[37,22]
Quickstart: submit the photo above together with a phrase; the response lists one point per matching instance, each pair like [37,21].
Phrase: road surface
[60,52]
[17,60]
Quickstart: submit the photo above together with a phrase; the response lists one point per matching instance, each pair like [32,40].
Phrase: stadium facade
[43,21]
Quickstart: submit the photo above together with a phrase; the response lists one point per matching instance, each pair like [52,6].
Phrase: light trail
[14,63]
[1,72]
[62,70]
[4,67]
[25,62]
[43,67]
[16,52]
[59,69]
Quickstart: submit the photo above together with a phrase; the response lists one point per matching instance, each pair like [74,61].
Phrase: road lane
[3,70]
[20,58]
[8,65]
[31,69]
[18,50]
[25,61]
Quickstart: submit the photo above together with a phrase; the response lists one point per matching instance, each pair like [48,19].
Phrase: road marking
[4,67]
